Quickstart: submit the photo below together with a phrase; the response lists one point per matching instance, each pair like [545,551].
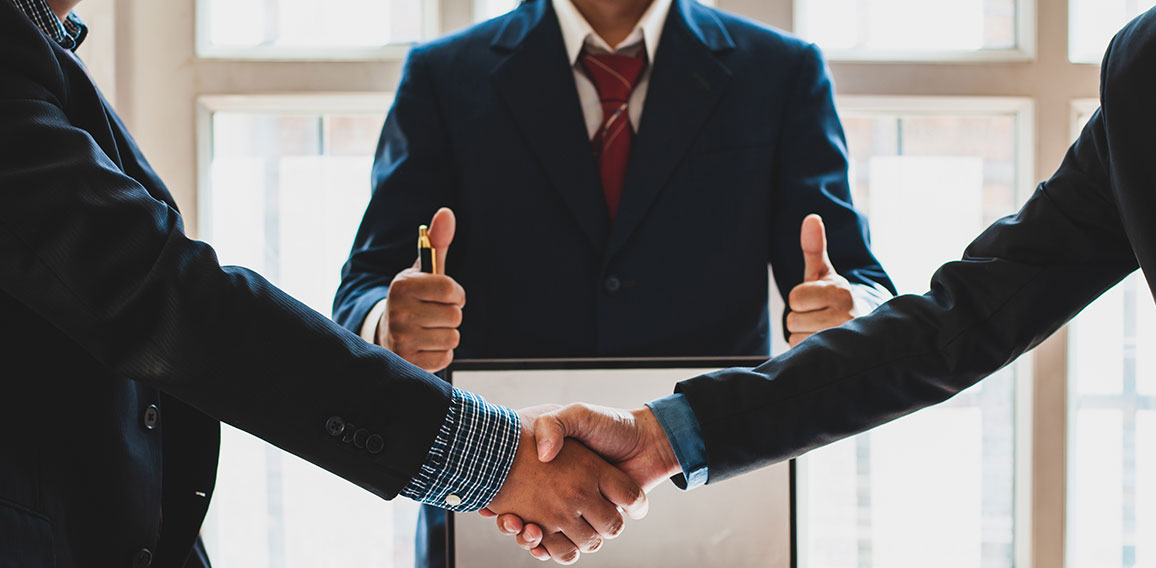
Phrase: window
[285,187]
[1112,483]
[1112,425]
[916,29]
[289,29]
[930,175]
[1094,22]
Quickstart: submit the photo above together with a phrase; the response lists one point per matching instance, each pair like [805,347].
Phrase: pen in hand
[427,256]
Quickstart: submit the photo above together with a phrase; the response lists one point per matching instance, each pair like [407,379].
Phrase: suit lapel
[537,83]
[686,83]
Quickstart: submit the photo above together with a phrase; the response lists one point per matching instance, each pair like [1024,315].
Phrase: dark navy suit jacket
[108,309]
[738,141]
[1086,228]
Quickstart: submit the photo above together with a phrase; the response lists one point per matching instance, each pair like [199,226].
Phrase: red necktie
[614,77]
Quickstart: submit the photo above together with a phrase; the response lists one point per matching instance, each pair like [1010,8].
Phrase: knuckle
[456,317]
[455,339]
[792,321]
[573,494]
[445,288]
[446,359]
[796,295]
[398,342]
[402,284]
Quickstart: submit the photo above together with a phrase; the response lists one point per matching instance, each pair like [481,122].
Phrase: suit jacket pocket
[25,538]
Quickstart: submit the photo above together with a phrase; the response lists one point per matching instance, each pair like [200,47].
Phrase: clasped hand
[563,501]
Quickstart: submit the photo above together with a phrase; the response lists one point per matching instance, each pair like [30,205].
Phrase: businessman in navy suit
[622,172]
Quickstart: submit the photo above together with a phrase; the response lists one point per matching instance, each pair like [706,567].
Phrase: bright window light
[295,24]
[929,183]
[1092,23]
[912,27]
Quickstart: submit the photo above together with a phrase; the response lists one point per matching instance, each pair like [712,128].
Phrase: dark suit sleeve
[812,166]
[1017,283]
[92,252]
[412,177]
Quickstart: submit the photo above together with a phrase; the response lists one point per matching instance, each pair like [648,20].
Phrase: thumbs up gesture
[423,311]
[824,299]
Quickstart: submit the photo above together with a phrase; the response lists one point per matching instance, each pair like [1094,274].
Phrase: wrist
[654,439]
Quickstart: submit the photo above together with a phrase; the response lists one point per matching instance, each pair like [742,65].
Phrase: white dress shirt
[577,33]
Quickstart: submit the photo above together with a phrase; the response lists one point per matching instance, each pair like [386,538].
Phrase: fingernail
[544,450]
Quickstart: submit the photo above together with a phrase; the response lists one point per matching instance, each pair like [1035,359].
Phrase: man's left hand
[824,299]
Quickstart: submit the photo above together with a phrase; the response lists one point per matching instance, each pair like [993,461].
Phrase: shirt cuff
[677,419]
[369,326]
[868,297]
[471,456]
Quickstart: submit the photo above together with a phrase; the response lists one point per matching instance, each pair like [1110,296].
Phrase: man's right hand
[573,498]
[632,440]
[423,311]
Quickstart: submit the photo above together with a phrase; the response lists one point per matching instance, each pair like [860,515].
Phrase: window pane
[285,195]
[1112,441]
[305,23]
[1110,504]
[1146,487]
[487,9]
[908,25]
[877,499]
[1094,22]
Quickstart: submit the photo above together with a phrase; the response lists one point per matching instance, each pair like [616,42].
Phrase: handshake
[560,498]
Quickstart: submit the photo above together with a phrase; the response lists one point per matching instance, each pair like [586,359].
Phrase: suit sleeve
[412,177]
[812,178]
[92,252]
[1017,283]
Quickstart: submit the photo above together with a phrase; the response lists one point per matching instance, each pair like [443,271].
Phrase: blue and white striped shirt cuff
[469,460]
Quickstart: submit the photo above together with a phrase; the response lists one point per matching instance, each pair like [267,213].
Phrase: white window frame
[431,26]
[1024,50]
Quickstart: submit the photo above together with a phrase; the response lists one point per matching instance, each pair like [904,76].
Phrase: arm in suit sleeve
[412,178]
[812,178]
[89,249]
[1017,283]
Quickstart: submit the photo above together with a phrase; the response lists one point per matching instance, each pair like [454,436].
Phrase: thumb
[552,428]
[813,241]
[549,432]
[441,234]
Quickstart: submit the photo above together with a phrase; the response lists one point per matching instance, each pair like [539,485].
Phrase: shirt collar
[69,34]
[577,33]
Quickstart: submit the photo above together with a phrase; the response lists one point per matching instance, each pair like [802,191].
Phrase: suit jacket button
[375,444]
[612,284]
[152,417]
[360,437]
[335,425]
[143,558]
[349,431]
